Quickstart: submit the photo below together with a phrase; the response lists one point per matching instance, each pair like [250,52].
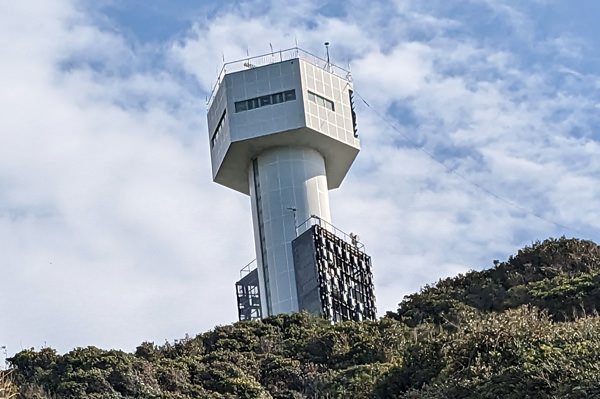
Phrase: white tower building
[282,130]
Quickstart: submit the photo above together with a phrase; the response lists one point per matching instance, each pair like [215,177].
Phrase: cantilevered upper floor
[287,98]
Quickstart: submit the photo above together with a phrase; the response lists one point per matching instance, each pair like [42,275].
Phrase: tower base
[333,279]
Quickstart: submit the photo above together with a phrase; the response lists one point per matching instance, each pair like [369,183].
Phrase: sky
[479,124]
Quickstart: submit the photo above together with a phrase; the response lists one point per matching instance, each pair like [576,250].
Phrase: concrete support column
[287,186]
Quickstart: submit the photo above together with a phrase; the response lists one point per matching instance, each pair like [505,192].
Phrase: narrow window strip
[264,101]
[320,100]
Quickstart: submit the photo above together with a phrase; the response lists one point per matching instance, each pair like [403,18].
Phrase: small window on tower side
[351,94]
[329,104]
[290,95]
[277,98]
[265,100]
[241,106]
[253,103]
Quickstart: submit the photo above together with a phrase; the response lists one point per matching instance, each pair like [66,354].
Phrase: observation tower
[282,129]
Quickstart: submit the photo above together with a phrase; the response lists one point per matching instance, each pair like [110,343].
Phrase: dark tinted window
[253,103]
[290,95]
[241,106]
[276,98]
[322,101]
[265,100]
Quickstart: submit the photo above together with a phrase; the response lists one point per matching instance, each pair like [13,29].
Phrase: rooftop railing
[272,58]
[307,224]
[315,220]
[244,271]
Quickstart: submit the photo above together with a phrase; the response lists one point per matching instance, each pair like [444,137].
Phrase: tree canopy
[526,328]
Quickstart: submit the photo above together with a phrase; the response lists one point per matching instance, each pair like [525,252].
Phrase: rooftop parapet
[274,57]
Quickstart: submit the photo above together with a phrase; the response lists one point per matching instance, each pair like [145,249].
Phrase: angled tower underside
[282,130]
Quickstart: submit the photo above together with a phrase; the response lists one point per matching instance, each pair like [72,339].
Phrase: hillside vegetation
[561,276]
[526,328]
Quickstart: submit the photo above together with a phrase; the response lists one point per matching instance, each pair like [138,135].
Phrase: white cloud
[111,230]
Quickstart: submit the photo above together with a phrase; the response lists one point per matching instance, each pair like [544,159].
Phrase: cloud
[111,229]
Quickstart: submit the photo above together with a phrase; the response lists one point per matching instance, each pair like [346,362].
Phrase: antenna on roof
[247,64]
[328,63]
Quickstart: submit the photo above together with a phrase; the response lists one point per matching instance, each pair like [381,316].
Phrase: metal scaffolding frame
[248,297]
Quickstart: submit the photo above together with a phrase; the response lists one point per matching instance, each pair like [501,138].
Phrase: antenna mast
[328,62]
